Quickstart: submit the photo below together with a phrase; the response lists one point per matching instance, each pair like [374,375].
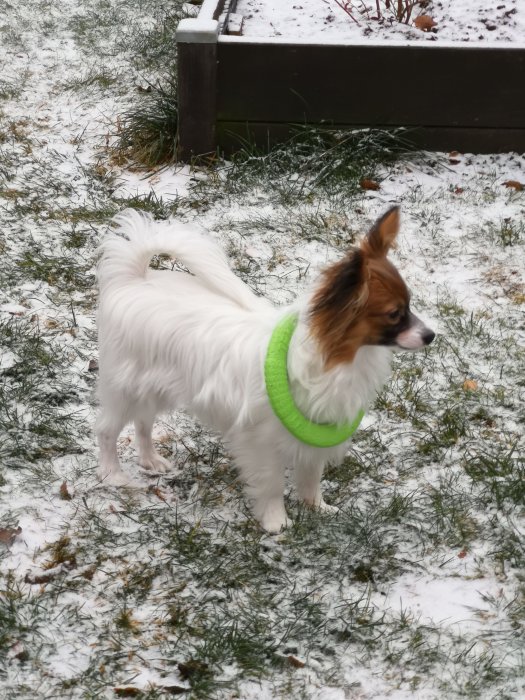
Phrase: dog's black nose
[429,337]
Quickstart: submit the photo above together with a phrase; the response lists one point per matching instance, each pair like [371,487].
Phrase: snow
[326,21]
[168,184]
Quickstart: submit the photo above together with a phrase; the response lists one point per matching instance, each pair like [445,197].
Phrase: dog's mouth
[416,337]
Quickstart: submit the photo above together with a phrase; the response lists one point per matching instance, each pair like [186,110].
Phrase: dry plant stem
[345,6]
[409,6]
[402,11]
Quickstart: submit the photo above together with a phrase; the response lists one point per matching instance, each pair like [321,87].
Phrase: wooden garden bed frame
[449,95]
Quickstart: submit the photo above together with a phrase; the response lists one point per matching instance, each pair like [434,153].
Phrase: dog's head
[363,300]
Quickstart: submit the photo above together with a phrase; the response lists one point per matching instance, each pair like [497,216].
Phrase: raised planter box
[453,95]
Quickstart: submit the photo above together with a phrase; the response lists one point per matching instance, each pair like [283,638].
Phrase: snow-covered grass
[416,588]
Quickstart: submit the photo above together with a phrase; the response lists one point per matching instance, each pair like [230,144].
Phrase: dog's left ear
[382,236]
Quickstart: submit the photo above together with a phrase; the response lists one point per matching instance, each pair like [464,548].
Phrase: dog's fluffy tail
[125,255]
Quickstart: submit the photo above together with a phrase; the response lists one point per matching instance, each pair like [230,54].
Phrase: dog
[202,341]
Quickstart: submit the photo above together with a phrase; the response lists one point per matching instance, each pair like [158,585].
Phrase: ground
[416,588]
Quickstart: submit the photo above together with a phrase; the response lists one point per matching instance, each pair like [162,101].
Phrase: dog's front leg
[263,474]
[308,482]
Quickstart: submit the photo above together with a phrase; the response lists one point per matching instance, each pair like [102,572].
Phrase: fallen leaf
[18,651]
[470,385]
[191,668]
[9,534]
[459,190]
[64,493]
[130,691]
[127,692]
[295,662]
[462,554]
[367,184]
[173,689]
[157,492]
[515,185]
[425,23]
[44,577]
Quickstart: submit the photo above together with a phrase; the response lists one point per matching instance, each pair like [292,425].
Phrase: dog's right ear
[343,285]
[340,298]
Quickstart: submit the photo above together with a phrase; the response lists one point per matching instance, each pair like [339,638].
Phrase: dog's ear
[339,298]
[382,236]
[343,288]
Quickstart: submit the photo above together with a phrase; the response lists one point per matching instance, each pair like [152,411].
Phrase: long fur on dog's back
[124,259]
[177,324]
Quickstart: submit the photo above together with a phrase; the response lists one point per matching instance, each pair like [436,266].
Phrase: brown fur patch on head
[338,302]
[353,304]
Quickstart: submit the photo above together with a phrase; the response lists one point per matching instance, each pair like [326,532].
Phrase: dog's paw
[325,508]
[155,463]
[274,519]
[273,526]
[118,479]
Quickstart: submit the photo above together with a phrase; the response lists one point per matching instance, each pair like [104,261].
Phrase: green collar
[282,401]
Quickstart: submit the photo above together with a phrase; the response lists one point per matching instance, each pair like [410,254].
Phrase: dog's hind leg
[109,426]
[149,458]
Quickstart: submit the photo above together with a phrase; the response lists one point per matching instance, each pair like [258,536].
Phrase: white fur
[197,342]
[415,337]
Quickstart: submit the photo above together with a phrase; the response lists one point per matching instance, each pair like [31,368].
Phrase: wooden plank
[373,85]
[234,24]
[197,87]
[235,135]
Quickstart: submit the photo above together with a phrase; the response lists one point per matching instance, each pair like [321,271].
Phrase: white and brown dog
[199,342]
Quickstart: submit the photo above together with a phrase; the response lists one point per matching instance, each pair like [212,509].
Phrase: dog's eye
[394,315]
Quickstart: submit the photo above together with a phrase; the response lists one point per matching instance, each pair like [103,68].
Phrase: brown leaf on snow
[130,691]
[470,385]
[462,554]
[425,23]
[295,662]
[515,185]
[192,667]
[173,689]
[43,577]
[64,493]
[157,492]
[9,534]
[367,184]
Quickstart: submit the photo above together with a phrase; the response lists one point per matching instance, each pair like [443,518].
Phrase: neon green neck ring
[282,401]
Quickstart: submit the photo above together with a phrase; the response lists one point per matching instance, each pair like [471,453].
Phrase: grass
[176,581]
[38,402]
[148,136]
